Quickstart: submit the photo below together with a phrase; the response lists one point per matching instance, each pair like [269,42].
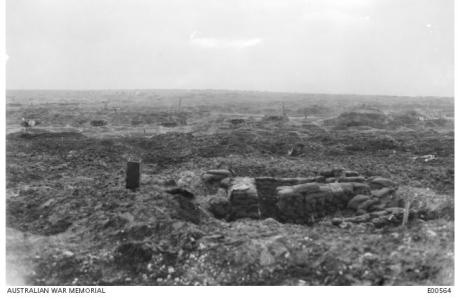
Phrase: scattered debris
[133,252]
[26,123]
[296,149]
[237,122]
[180,191]
[425,158]
[98,123]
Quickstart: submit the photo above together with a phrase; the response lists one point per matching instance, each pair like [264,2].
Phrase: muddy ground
[70,220]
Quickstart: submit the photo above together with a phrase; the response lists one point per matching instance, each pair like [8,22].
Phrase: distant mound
[362,117]
[366,119]
[414,119]
[439,122]
[407,118]
[315,110]
[275,118]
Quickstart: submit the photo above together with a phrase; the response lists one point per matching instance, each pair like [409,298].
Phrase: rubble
[388,217]
[133,252]
[219,207]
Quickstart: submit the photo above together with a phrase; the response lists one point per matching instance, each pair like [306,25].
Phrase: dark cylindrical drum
[133,175]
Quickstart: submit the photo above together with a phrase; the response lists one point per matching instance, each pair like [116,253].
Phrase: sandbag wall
[307,203]
[244,201]
[307,200]
[267,191]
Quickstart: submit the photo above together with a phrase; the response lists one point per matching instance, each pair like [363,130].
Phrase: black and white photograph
[228,143]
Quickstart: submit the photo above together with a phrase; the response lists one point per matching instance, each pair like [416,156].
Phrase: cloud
[222,43]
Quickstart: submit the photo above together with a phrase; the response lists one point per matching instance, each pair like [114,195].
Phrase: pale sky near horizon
[390,47]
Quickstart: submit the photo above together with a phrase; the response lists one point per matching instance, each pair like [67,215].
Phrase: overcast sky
[395,47]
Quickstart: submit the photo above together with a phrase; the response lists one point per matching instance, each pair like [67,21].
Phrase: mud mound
[362,117]
[407,118]
[439,122]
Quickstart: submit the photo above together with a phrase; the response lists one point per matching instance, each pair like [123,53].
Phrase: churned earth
[68,206]
[70,220]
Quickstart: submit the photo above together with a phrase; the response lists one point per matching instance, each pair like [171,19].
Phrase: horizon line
[224,90]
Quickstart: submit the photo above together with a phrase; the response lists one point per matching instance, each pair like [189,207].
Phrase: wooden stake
[405,217]
[179,106]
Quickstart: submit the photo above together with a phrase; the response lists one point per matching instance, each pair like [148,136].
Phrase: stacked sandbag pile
[343,191]
[243,199]
[341,175]
[305,200]
[267,187]
[382,195]
[306,203]
[216,176]
[292,205]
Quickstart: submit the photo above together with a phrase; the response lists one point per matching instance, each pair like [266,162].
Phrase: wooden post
[133,175]
[405,217]
[283,112]
[179,105]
